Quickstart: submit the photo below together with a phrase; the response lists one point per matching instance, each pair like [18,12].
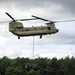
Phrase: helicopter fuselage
[18,29]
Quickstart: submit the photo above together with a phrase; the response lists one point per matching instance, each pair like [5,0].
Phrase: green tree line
[37,66]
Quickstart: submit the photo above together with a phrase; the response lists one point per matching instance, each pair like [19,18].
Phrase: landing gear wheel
[18,37]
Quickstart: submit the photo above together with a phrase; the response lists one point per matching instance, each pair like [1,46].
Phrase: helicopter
[19,30]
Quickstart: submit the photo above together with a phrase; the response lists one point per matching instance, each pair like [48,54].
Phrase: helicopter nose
[57,30]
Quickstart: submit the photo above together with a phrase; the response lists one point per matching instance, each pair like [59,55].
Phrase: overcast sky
[57,45]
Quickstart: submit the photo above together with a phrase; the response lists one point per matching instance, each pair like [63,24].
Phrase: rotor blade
[26,19]
[4,21]
[40,18]
[63,21]
[10,16]
[52,21]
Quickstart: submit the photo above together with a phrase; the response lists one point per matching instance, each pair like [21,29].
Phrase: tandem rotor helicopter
[19,30]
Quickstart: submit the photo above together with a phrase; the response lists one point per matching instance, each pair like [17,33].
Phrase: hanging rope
[33,49]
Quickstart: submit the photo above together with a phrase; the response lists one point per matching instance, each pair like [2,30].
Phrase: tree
[33,72]
[13,71]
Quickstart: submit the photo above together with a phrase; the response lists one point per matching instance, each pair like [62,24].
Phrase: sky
[58,45]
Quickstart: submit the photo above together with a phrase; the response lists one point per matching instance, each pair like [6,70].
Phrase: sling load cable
[33,49]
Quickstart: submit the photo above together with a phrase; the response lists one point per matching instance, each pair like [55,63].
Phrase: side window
[49,28]
[27,30]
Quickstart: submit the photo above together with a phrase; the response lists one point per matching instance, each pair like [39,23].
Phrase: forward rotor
[51,21]
[35,18]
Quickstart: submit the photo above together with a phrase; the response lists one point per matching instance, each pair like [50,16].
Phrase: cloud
[50,9]
[49,45]
[48,51]
[25,4]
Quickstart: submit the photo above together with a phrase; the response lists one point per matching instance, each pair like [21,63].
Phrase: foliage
[38,66]
[33,72]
